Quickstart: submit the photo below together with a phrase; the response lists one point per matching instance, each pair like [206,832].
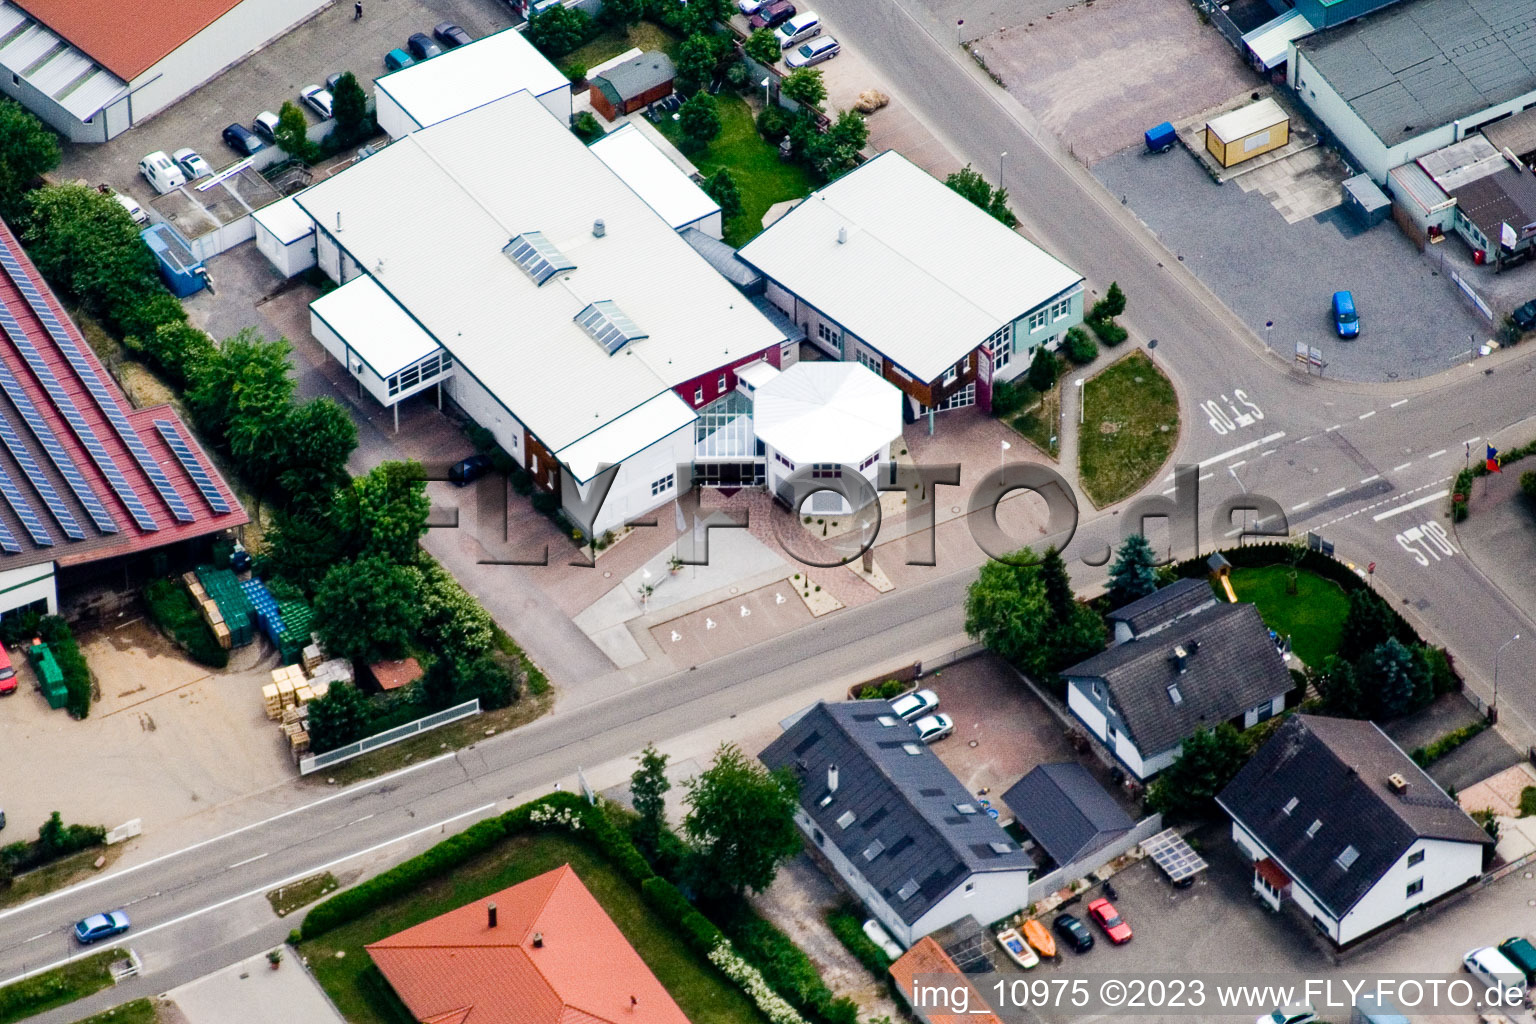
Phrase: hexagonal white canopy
[827,412]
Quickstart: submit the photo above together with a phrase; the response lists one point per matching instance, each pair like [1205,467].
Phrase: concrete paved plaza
[731,625]
[250,992]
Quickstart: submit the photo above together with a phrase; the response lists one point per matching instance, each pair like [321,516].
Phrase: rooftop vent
[538,940]
[599,229]
[1397,784]
[1290,805]
[608,325]
[842,236]
[1317,823]
[537,255]
[1181,659]
[831,778]
[490,915]
[1174,694]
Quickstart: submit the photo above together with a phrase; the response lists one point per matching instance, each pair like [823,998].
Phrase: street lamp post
[1082,402]
[958,23]
[1493,710]
[1000,158]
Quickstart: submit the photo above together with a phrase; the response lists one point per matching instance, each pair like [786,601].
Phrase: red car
[772,14]
[7,672]
[1108,918]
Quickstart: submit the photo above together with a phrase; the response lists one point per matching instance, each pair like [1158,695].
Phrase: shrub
[671,906]
[77,674]
[783,964]
[1427,755]
[171,608]
[545,502]
[737,75]
[1109,332]
[1080,347]
[1461,494]
[1009,396]
[575,71]
[885,691]
[773,123]
[1528,801]
[763,47]
[144,317]
[804,86]
[850,932]
[587,130]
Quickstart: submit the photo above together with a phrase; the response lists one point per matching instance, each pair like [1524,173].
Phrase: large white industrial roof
[923,276]
[374,326]
[429,216]
[655,178]
[827,411]
[468,76]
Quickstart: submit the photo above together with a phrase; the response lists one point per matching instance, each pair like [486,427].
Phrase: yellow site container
[1247,132]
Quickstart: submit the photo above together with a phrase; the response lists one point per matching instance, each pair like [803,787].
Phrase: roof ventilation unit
[1397,783]
[842,236]
[599,229]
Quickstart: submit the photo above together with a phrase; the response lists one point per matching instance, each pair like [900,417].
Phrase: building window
[1000,344]
[533,464]
[698,395]
[829,334]
[826,471]
[1290,805]
[870,361]
[720,384]
[970,888]
[869,462]
[1060,309]
[781,460]
[1317,823]
[1038,319]
[1416,857]
[953,373]
[1415,887]
[663,485]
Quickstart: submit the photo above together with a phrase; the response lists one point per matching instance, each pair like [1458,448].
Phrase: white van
[161,172]
[1494,969]
[134,209]
[798,29]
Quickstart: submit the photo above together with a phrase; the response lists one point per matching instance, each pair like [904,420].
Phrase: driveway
[250,992]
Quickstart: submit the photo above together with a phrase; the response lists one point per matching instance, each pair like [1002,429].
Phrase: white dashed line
[1298,508]
[1239,462]
[1331,429]
[1270,452]
[1367,415]
[1435,455]
[1301,439]
[1473,440]
[1411,505]
[1372,477]
[1400,401]
[1336,492]
[1385,501]
[1169,491]
[1399,469]
[1208,476]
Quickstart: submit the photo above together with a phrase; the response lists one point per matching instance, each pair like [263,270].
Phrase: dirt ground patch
[1098,75]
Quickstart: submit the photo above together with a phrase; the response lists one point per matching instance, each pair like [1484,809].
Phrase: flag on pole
[1493,460]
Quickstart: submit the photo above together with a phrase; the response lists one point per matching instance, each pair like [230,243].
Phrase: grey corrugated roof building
[635,77]
[1066,811]
[895,823]
[1162,606]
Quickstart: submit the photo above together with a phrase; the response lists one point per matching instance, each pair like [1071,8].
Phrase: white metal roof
[468,76]
[757,374]
[285,221]
[52,66]
[827,411]
[924,275]
[1461,163]
[1244,121]
[619,439]
[435,210]
[1271,41]
[655,178]
[374,326]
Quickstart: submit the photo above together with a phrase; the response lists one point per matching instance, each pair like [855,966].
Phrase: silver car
[192,164]
[932,728]
[911,706]
[814,52]
[319,100]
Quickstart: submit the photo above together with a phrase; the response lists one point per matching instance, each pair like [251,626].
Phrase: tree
[292,133]
[153,310]
[320,438]
[1043,370]
[721,187]
[1393,680]
[1080,635]
[586,127]
[648,791]
[1007,610]
[1368,624]
[305,539]
[559,30]
[1335,682]
[1058,585]
[763,47]
[1134,572]
[804,86]
[621,13]
[695,63]
[1114,300]
[386,511]
[452,680]
[1207,762]
[28,150]
[342,716]
[175,346]
[740,823]
[699,120]
[452,621]
[87,245]
[349,106]
[368,610]
[238,376]
[970,184]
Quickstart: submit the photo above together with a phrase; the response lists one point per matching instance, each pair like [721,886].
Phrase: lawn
[363,997]
[761,177]
[58,987]
[1040,423]
[612,42]
[301,893]
[1312,617]
[140,1011]
[1130,429]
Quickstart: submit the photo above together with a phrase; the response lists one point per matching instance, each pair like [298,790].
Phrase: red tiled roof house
[541,952]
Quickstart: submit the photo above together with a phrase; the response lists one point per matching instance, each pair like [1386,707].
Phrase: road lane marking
[1399,469]
[1240,462]
[1367,415]
[1373,476]
[1473,440]
[1378,517]
[1336,492]
[350,790]
[248,860]
[1435,455]
[139,933]
[356,821]
[1207,476]
[39,935]
[1301,439]
[1270,452]
[1400,401]
[1331,429]
[1250,446]
[1298,508]
[1169,491]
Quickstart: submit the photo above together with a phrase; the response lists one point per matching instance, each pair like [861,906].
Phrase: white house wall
[360,371]
[1087,712]
[993,896]
[105,124]
[471,396]
[1446,867]
[558,102]
[873,901]
[391,115]
[22,586]
[630,496]
[290,259]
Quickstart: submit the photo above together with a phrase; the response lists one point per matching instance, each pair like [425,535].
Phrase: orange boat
[1037,936]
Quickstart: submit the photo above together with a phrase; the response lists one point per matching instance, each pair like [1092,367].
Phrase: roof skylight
[537,255]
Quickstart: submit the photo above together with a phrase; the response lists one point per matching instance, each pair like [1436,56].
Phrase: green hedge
[787,969]
[850,932]
[1428,755]
[171,608]
[673,907]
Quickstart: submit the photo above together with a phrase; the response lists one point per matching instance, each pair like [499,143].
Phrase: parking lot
[329,42]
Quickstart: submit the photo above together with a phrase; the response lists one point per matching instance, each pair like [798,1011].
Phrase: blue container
[1162,138]
[183,272]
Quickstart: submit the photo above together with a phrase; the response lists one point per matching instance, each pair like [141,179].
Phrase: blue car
[1345,320]
[101,926]
[397,59]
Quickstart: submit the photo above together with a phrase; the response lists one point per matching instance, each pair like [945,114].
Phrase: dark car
[1073,932]
[469,470]
[242,140]
[332,80]
[450,35]
[100,926]
[421,46]
[1525,315]
[772,15]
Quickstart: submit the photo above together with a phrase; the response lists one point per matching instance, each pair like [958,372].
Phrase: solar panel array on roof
[23,510]
[195,470]
[40,483]
[1176,857]
[66,405]
[608,325]
[8,541]
[540,258]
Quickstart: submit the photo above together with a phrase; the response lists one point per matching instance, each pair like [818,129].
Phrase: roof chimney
[842,236]
[1397,784]
[832,778]
[490,915]
[338,220]
[1181,659]
[599,229]
[538,940]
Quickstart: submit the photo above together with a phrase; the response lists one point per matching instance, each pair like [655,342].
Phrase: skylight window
[908,890]
[873,850]
[914,749]
[1001,849]
[845,819]
[537,255]
[1348,857]
[1317,823]
[608,325]
[1290,805]
[889,721]
[966,808]
[1174,695]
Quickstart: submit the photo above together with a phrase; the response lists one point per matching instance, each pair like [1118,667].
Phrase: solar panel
[45,436]
[8,540]
[540,258]
[66,405]
[40,483]
[195,470]
[23,509]
[608,325]
[1177,859]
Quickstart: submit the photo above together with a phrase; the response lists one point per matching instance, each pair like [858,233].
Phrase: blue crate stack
[266,609]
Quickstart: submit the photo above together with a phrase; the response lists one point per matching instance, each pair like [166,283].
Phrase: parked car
[1525,316]
[1516,949]
[332,80]
[397,60]
[749,7]
[467,471]
[772,14]
[451,35]
[318,99]
[814,52]
[101,926]
[1494,970]
[161,172]
[265,125]
[191,164]
[1108,918]
[798,29]
[242,140]
[132,206]
[1073,932]
[932,728]
[422,47]
[7,685]
[1345,320]
[912,706]
[1289,1015]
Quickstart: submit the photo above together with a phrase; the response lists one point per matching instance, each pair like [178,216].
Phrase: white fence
[127,830]
[315,762]
[1062,877]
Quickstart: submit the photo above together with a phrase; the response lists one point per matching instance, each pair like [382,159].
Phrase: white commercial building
[95,68]
[660,182]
